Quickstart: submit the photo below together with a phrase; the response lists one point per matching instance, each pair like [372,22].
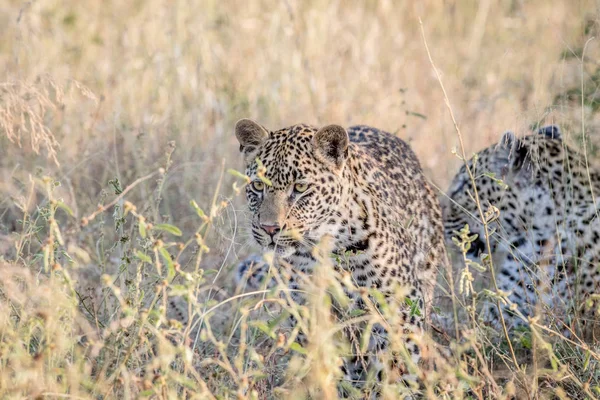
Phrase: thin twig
[102,208]
[585,153]
[472,178]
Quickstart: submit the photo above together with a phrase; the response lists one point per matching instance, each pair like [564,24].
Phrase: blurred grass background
[140,74]
[97,94]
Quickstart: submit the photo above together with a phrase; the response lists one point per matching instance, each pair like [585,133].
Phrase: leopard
[539,198]
[363,191]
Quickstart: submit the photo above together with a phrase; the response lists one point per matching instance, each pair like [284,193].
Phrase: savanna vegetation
[122,212]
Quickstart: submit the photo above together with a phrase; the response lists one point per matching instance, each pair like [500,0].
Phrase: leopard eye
[300,187]
[259,186]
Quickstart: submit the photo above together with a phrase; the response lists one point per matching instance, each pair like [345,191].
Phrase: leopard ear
[550,131]
[520,158]
[331,145]
[250,135]
[509,141]
[513,154]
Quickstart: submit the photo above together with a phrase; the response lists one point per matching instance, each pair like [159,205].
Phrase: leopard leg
[518,282]
[252,274]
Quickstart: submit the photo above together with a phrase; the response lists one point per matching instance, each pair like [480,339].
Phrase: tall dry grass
[132,104]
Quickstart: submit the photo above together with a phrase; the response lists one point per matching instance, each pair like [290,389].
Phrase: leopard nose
[271,229]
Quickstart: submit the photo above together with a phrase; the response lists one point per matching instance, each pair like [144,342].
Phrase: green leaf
[64,207]
[337,292]
[261,173]
[298,348]
[357,312]
[499,181]
[178,290]
[263,327]
[143,257]
[554,362]
[379,298]
[67,256]
[210,272]
[184,381]
[526,341]
[586,362]
[414,307]
[116,185]
[170,266]
[265,180]
[199,211]
[350,389]
[168,228]
[154,317]
[416,114]
[238,174]
[366,338]
[272,324]
[142,229]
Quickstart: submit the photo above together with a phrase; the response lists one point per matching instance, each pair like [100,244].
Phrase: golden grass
[101,99]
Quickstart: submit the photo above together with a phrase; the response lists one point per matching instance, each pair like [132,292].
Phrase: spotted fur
[253,273]
[546,240]
[363,188]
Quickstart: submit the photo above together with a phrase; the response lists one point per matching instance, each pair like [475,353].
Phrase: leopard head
[505,176]
[296,182]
